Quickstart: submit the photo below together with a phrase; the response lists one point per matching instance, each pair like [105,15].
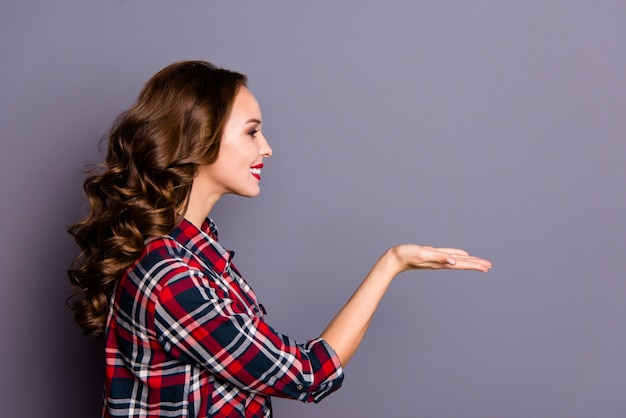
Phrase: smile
[256,171]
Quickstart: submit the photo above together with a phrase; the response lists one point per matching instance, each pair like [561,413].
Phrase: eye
[253,132]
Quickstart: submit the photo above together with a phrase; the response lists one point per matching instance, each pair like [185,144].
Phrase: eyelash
[253,132]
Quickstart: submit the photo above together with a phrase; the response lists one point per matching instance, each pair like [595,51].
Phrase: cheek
[247,153]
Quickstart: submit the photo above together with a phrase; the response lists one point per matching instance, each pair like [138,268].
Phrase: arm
[346,331]
[200,322]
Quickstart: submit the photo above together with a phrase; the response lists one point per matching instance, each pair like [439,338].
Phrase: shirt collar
[203,242]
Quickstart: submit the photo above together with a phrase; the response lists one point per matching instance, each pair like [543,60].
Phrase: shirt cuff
[328,375]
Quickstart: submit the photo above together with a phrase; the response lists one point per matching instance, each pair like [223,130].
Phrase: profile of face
[243,147]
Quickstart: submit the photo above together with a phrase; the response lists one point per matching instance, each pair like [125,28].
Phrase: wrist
[392,261]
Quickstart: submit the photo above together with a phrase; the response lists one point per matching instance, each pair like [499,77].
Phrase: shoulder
[162,259]
[165,247]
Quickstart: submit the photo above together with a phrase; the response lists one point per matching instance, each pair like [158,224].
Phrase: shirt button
[299,387]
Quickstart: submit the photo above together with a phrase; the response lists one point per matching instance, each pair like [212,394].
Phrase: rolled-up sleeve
[200,322]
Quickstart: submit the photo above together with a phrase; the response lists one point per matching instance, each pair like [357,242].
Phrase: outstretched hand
[414,257]
[345,332]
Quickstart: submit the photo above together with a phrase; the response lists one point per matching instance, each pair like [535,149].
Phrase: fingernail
[451,261]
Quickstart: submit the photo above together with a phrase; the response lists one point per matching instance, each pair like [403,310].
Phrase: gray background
[494,126]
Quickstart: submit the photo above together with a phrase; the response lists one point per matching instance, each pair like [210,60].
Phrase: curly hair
[142,189]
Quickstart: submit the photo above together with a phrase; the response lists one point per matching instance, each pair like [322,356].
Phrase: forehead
[245,106]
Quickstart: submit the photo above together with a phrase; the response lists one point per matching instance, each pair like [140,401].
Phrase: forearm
[345,332]
[347,329]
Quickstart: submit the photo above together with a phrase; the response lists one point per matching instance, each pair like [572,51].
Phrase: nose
[265,150]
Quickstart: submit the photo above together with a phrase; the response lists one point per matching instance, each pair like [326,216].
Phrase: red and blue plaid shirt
[186,338]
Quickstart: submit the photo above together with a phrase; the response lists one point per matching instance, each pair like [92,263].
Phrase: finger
[453,251]
[472,259]
[471,264]
[444,258]
[452,258]
[441,258]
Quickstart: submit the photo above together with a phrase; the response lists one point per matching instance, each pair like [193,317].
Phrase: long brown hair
[142,189]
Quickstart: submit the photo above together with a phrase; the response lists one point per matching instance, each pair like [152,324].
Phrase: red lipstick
[256,171]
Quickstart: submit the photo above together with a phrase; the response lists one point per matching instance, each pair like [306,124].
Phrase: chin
[249,193]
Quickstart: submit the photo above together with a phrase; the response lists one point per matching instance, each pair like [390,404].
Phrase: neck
[199,206]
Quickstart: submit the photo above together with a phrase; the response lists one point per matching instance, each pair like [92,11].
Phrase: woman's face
[237,168]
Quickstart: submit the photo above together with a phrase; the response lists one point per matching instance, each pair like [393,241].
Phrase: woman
[184,333]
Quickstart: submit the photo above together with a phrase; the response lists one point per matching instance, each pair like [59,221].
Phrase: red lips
[256,171]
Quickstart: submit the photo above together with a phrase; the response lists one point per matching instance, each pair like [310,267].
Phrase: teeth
[255,170]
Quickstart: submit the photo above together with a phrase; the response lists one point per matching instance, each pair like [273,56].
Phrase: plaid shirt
[186,338]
